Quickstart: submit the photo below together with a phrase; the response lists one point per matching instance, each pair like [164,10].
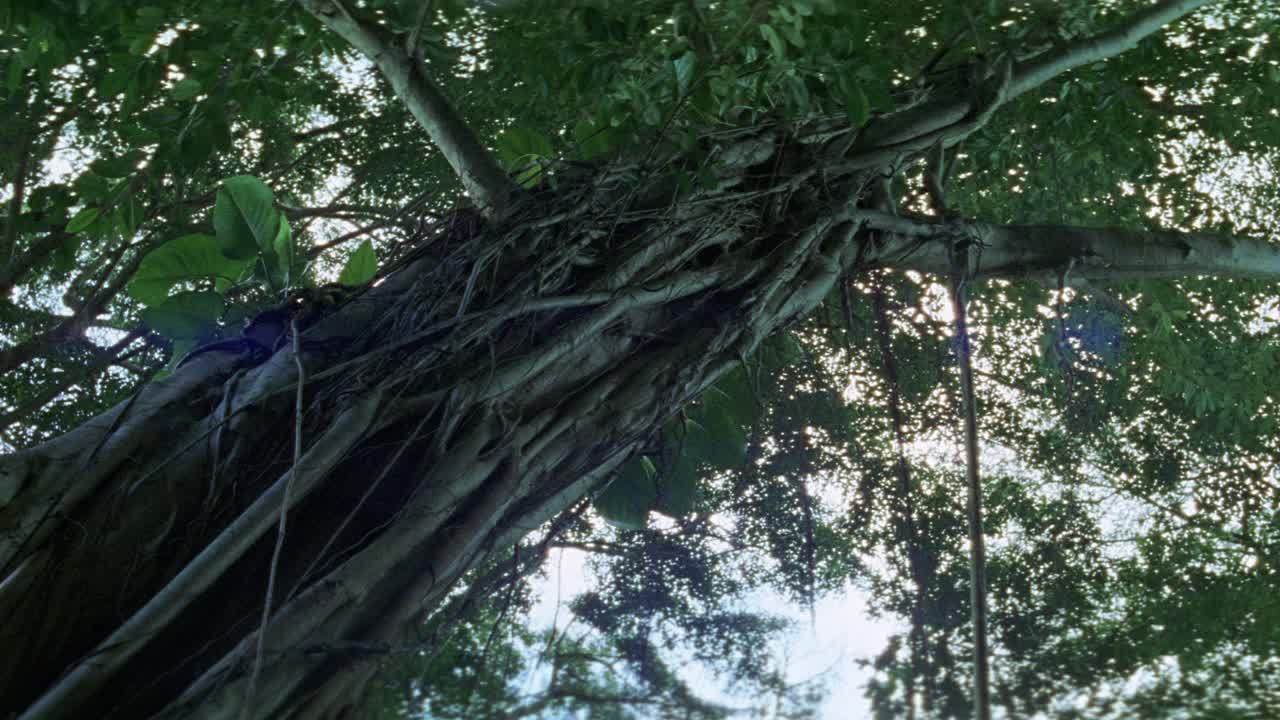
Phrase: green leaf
[685,68]
[115,167]
[719,423]
[713,435]
[186,89]
[856,104]
[245,218]
[181,347]
[793,35]
[803,7]
[285,253]
[594,141]
[65,255]
[13,78]
[626,502]
[267,273]
[518,146]
[677,493]
[361,265]
[593,23]
[187,259]
[186,315]
[141,45]
[776,42]
[83,219]
[128,216]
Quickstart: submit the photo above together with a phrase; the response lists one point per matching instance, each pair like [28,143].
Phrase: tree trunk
[495,378]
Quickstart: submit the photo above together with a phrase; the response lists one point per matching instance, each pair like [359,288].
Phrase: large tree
[587,213]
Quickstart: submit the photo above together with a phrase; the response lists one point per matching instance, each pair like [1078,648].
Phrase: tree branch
[333,127]
[1039,252]
[21,263]
[19,197]
[934,115]
[105,358]
[338,211]
[73,326]
[483,179]
[1042,68]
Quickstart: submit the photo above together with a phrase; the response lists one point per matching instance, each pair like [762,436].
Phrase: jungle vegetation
[325,322]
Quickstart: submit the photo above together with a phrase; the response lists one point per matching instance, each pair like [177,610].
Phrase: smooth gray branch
[1039,252]
[484,180]
[942,112]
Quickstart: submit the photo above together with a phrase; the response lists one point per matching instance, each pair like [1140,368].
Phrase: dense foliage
[171,170]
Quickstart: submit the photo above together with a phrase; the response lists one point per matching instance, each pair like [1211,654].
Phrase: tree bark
[481,176]
[455,406]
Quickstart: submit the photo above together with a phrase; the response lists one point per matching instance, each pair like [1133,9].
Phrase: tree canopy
[456,283]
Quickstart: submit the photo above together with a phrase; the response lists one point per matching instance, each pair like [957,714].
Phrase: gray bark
[484,180]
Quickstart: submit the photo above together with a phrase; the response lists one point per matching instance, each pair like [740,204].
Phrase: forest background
[665,283]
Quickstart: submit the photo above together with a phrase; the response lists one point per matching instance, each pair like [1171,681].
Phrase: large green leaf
[245,218]
[677,494]
[626,502]
[83,219]
[713,435]
[520,146]
[856,104]
[361,265]
[594,141]
[185,316]
[190,258]
[186,89]
[127,216]
[776,43]
[282,259]
[718,426]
